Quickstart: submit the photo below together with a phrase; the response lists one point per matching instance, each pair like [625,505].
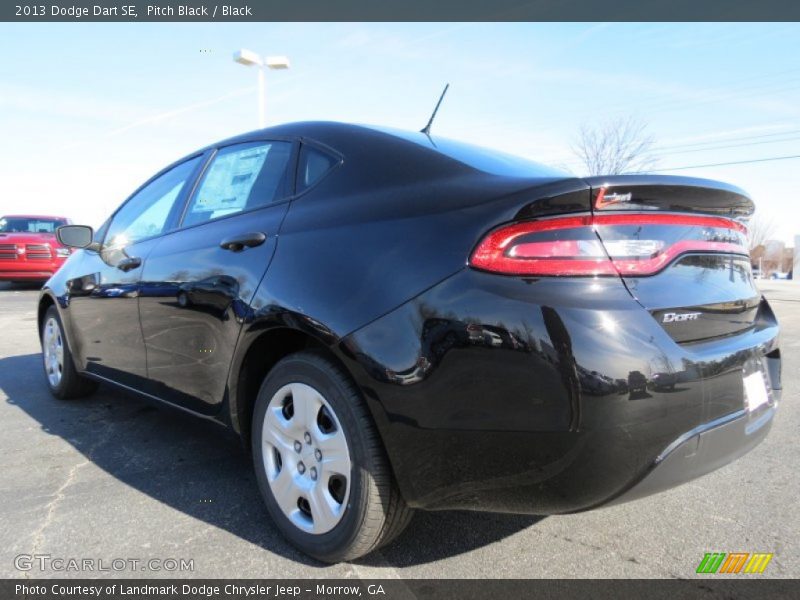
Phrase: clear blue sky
[88,111]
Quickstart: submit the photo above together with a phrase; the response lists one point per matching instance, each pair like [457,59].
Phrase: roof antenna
[427,129]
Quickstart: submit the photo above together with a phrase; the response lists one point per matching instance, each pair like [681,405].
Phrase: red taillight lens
[629,244]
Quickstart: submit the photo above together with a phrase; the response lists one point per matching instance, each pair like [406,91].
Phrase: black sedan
[394,321]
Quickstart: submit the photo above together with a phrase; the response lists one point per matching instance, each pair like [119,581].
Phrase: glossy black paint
[191,328]
[561,413]
[490,392]
[667,193]
[103,314]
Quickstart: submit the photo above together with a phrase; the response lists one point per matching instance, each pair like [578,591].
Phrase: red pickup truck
[29,250]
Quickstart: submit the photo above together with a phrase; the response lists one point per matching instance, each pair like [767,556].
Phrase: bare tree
[760,229]
[620,145]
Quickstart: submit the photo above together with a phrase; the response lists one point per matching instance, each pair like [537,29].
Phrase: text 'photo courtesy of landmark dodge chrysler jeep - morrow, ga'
[396,321]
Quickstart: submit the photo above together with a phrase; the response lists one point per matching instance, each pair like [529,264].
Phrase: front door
[199,280]
[103,298]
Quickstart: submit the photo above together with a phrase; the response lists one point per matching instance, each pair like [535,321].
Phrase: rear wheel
[319,462]
[62,378]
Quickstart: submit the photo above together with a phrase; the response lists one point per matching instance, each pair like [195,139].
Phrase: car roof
[324,131]
[373,141]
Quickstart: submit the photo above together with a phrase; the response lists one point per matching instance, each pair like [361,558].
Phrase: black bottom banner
[391,589]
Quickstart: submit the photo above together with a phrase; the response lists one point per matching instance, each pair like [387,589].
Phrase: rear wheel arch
[261,355]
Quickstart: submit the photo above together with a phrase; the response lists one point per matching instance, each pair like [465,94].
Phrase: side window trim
[178,209]
[191,181]
[187,199]
[287,183]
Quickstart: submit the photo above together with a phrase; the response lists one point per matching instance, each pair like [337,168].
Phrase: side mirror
[75,236]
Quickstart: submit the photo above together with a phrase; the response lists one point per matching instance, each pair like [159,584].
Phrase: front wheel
[320,464]
[63,379]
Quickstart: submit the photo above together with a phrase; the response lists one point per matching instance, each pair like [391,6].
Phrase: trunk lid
[702,287]
[668,193]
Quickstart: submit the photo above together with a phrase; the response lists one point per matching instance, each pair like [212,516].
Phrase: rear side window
[314,165]
[240,177]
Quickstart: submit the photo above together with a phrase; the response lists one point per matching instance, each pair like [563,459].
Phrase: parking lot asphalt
[112,477]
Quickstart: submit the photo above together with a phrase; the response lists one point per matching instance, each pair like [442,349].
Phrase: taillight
[628,244]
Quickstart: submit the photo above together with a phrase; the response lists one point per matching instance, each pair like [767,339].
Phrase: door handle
[130,263]
[237,243]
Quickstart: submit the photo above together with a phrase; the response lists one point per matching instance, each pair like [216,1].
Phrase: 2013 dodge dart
[396,321]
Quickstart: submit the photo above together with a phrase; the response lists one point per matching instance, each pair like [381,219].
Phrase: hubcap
[310,480]
[53,352]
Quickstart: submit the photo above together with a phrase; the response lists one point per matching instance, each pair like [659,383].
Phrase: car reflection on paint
[663,381]
[216,292]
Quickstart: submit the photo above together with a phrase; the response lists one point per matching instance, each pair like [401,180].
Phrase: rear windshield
[29,225]
[483,159]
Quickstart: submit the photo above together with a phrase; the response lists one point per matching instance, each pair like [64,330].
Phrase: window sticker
[227,185]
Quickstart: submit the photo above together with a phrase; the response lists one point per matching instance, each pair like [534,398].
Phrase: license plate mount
[756,393]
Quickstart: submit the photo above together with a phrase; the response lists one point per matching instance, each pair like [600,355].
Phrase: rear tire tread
[377,529]
[386,513]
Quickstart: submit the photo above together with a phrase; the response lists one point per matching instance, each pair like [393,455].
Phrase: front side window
[241,177]
[29,225]
[147,212]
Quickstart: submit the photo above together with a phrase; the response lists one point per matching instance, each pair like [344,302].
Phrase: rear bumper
[550,396]
[702,450]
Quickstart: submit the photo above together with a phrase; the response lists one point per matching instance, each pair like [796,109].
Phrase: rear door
[199,280]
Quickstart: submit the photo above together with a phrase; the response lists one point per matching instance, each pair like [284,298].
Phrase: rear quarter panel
[354,247]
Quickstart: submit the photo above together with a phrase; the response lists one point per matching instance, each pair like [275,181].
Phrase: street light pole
[249,58]
[261,109]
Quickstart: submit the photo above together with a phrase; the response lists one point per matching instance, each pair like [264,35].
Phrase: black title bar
[401,10]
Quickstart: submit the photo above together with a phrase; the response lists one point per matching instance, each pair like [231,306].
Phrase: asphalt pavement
[112,477]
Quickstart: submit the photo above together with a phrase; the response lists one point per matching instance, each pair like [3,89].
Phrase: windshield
[29,225]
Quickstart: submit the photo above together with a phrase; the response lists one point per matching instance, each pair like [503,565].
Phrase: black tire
[72,384]
[375,511]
